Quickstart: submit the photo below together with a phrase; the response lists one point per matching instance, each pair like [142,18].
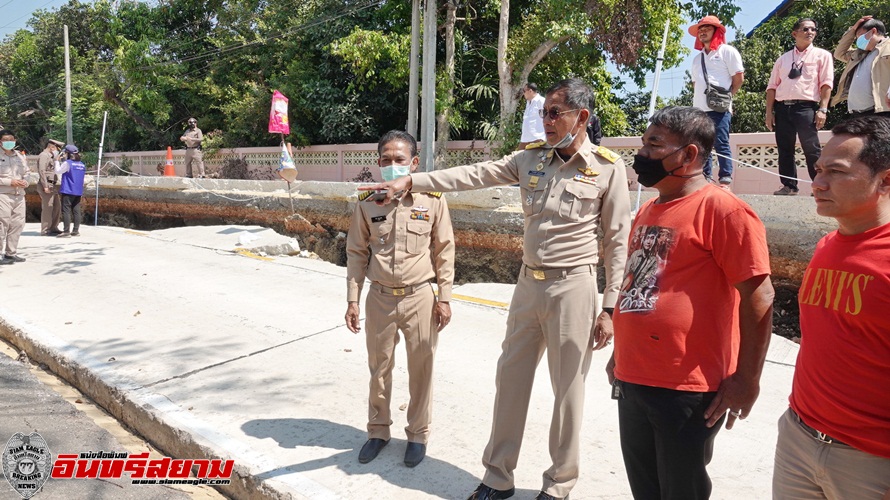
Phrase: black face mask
[651,171]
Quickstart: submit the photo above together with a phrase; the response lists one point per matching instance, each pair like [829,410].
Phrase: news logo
[26,463]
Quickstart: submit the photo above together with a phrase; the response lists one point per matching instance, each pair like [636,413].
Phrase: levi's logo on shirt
[840,291]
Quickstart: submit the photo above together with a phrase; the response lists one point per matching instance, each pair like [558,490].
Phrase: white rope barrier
[762,169]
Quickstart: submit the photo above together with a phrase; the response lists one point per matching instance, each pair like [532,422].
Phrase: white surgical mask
[569,138]
[9,145]
[862,42]
[393,172]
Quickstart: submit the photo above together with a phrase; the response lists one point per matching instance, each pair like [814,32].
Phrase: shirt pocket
[380,235]
[533,200]
[418,237]
[578,200]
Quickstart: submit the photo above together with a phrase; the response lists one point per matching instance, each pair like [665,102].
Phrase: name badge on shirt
[379,218]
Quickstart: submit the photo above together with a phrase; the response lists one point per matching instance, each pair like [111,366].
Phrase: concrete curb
[136,407]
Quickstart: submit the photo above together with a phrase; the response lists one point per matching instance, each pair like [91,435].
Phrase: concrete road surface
[208,348]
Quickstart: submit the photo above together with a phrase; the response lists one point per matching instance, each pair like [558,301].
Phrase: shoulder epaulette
[363,194]
[608,154]
[535,145]
[434,194]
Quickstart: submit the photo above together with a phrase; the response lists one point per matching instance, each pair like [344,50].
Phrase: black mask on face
[651,171]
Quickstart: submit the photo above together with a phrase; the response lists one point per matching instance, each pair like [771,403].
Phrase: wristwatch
[822,110]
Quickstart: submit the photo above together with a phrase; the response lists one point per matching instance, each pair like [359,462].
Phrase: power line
[23,15]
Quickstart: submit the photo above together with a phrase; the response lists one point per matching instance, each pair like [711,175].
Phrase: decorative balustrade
[344,162]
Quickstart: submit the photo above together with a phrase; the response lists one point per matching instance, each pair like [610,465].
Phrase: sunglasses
[814,30]
[553,113]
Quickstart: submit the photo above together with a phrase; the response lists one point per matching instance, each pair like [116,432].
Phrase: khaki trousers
[385,315]
[806,468]
[50,209]
[196,156]
[12,221]
[556,315]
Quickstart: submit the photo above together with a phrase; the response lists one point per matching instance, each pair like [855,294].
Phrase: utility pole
[428,119]
[70,136]
[413,69]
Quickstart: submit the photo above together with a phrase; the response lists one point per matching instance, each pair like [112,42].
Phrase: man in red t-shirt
[834,441]
[691,338]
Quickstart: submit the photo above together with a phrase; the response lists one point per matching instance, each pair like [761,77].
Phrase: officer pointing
[570,188]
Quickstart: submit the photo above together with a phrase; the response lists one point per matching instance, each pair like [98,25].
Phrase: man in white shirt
[532,123]
[724,69]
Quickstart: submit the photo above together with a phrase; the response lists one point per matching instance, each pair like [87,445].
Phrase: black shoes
[414,454]
[371,449]
[547,496]
[485,493]
[12,259]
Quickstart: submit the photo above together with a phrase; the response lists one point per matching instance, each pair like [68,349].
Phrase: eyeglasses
[814,30]
[553,113]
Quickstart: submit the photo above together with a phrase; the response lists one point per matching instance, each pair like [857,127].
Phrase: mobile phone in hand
[381,196]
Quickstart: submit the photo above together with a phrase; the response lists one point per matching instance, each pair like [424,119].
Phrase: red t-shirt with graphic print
[676,320]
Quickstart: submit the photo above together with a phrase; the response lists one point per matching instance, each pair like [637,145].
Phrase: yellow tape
[475,300]
[248,253]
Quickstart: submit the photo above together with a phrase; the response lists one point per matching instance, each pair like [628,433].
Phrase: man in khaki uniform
[570,188]
[14,176]
[50,203]
[192,139]
[400,246]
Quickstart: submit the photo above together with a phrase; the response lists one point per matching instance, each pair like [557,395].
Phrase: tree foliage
[344,65]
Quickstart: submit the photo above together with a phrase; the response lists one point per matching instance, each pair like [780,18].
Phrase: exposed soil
[786,313]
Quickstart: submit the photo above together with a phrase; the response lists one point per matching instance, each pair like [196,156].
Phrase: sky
[15,13]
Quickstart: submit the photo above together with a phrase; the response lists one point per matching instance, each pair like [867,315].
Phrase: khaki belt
[817,435]
[549,273]
[398,292]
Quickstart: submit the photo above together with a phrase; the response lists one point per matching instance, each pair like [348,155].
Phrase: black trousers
[793,121]
[71,203]
[665,442]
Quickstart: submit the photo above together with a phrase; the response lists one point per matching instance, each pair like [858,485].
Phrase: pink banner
[278,123]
